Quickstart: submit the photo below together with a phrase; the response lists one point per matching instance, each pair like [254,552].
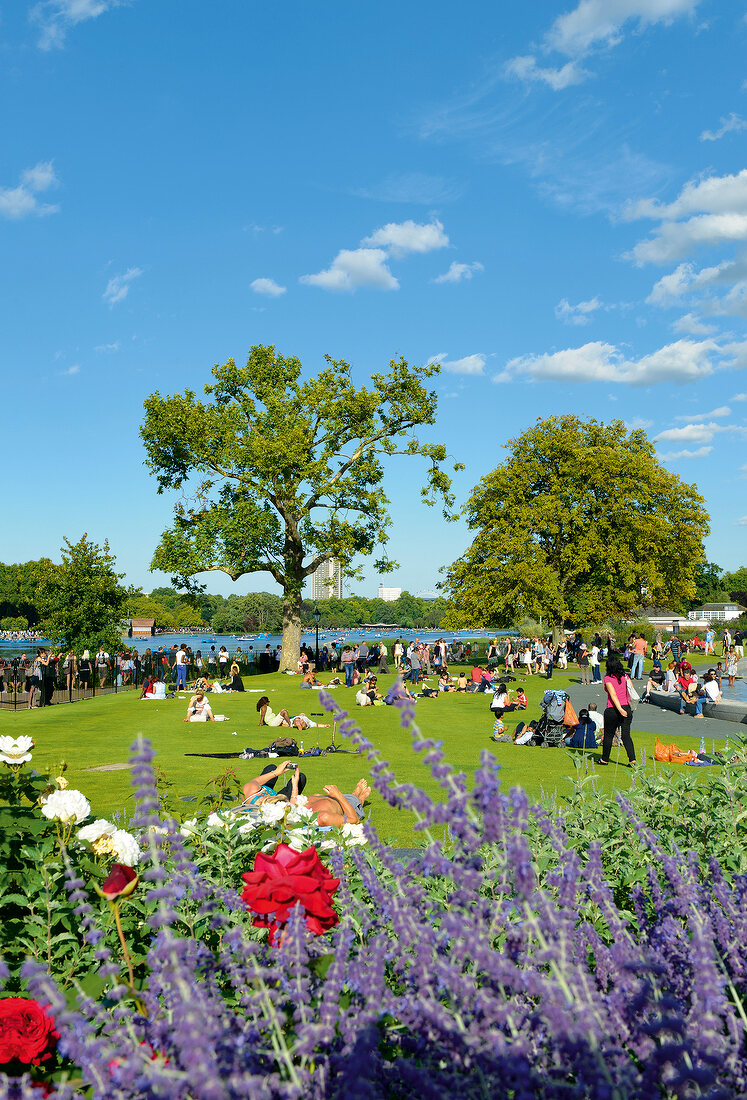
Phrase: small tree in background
[81,600]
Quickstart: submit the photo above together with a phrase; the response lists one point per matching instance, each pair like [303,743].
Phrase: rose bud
[119,883]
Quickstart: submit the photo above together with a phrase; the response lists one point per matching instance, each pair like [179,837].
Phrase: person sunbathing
[198,709]
[267,716]
[332,808]
[303,722]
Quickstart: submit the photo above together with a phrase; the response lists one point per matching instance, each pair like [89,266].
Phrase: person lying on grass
[303,722]
[267,716]
[331,808]
[198,709]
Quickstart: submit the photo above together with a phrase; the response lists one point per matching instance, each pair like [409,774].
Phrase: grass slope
[100,731]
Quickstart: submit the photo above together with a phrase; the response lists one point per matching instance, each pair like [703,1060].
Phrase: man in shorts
[102,665]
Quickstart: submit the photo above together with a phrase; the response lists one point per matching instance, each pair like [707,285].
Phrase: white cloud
[74,369]
[722,410]
[697,433]
[637,422]
[692,325]
[118,286]
[268,287]
[409,236]
[709,195]
[672,456]
[593,25]
[55,18]
[741,522]
[106,348]
[728,125]
[681,362]
[21,201]
[470,364]
[526,68]
[580,314]
[673,240]
[458,272]
[352,268]
[739,397]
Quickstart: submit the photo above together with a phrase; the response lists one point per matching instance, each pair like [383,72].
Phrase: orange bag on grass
[670,754]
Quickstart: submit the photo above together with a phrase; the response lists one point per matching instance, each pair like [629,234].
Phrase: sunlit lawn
[100,731]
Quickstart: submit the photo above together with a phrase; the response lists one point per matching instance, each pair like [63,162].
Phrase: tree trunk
[291,631]
[558,632]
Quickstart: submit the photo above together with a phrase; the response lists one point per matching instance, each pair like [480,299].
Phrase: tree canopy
[277,473]
[81,600]
[578,523]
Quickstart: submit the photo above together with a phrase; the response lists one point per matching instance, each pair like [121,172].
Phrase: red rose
[27,1033]
[119,883]
[287,878]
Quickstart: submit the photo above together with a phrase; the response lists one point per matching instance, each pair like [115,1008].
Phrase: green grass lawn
[100,731]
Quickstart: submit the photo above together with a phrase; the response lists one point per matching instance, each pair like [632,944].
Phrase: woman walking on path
[618,713]
[732,660]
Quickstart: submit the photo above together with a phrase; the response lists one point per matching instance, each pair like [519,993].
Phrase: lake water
[204,641]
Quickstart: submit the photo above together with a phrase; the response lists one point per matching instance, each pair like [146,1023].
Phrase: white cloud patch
[697,433]
[593,25]
[692,326]
[738,397]
[409,236]
[699,452]
[681,362]
[56,17]
[71,371]
[580,314]
[458,272]
[353,268]
[741,522]
[526,68]
[22,201]
[268,287]
[118,286]
[722,410]
[729,125]
[367,266]
[470,364]
[106,349]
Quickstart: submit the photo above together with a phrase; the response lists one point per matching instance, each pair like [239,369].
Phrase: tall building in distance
[326,581]
[389,595]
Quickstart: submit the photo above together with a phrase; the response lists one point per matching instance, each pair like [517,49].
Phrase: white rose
[248,826]
[15,750]
[353,834]
[188,828]
[273,812]
[297,839]
[126,848]
[301,800]
[326,845]
[298,814]
[100,827]
[66,806]
[215,821]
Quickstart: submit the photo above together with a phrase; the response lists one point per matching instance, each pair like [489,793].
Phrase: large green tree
[278,473]
[81,600]
[578,523]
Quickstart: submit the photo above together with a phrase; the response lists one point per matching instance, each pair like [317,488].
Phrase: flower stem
[115,910]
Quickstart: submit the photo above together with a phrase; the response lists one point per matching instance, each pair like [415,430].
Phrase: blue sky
[552,202]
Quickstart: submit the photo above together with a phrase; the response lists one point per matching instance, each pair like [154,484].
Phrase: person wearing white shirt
[181,669]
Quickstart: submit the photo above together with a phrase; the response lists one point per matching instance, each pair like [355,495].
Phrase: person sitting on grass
[398,690]
[267,716]
[521,699]
[501,701]
[444,682]
[237,684]
[198,709]
[461,684]
[309,676]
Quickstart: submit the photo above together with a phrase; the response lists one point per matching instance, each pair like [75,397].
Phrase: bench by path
[666,720]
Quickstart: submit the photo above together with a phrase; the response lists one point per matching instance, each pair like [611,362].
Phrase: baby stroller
[551,725]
